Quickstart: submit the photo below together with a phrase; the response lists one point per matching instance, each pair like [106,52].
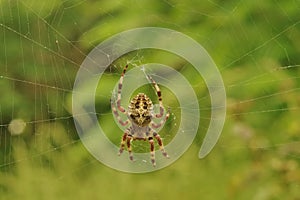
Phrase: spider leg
[122,146]
[116,113]
[152,152]
[158,92]
[157,125]
[126,138]
[129,139]
[121,108]
[161,145]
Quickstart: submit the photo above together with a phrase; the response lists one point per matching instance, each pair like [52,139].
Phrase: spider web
[255,46]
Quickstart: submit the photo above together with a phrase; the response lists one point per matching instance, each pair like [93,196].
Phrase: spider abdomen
[140,110]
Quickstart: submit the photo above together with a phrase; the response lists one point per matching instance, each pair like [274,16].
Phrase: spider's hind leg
[158,92]
[120,107]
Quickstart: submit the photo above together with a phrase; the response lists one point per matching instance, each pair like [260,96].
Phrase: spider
[139,115]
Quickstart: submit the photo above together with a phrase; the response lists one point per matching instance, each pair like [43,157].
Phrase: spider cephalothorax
[139,116]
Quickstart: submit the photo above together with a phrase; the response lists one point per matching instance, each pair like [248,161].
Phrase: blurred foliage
[255,45]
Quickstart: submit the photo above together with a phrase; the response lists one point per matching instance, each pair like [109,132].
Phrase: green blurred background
[255,44]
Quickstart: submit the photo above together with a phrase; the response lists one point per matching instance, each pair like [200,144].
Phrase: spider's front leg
[126,138]
[129,139]
[161,145]
[152,152]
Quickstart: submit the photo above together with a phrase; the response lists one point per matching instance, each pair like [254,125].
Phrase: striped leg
[152,152]
[123,143]
[121,108]
[116,113]
[129,139]
[126,138]
[158,92]
[161,145]
[157,125]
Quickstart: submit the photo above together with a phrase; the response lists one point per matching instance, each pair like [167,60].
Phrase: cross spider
[139,115]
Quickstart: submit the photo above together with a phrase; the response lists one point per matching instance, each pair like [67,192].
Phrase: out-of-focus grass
[257,156]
